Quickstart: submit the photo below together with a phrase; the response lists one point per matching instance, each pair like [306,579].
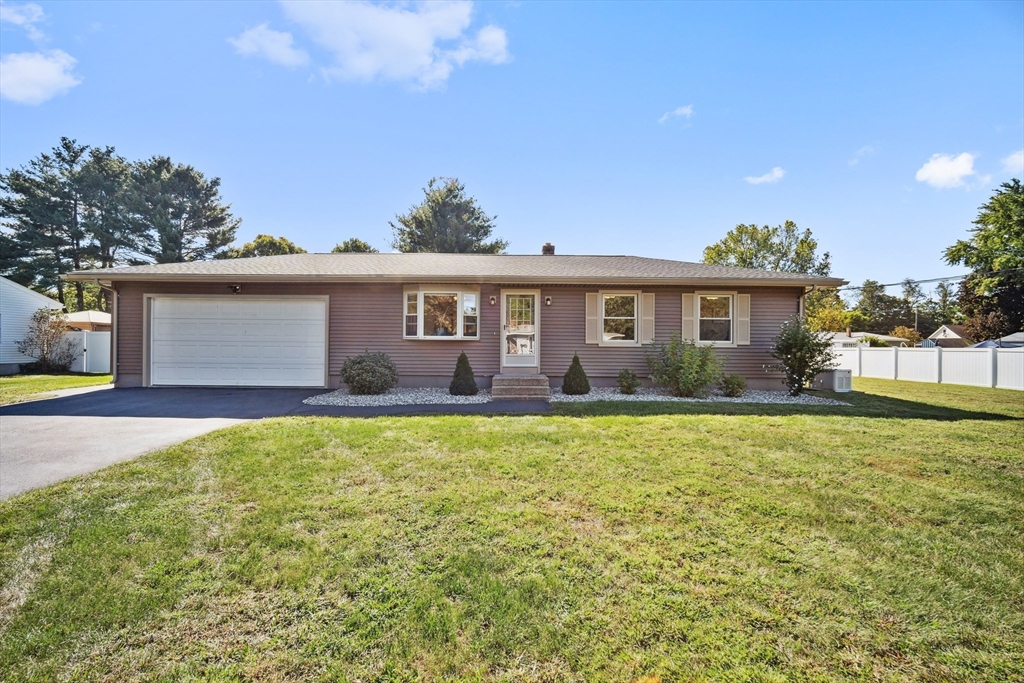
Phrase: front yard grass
[17,388]
[877,542]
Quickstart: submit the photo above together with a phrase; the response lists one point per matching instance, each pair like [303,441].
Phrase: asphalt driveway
[43,442]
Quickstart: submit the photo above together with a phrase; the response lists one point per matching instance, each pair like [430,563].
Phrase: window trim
[440,290]
[637,317]
[732,320]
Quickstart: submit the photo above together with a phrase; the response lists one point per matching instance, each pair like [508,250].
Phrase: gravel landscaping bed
[403,397]
[397,397]
[644,394]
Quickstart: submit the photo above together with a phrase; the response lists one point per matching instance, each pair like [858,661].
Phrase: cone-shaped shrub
[575,381]
[463,383]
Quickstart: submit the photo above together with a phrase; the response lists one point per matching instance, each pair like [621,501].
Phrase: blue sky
[648,129]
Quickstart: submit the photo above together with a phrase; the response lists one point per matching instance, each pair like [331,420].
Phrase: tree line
[989,302]
[81,207]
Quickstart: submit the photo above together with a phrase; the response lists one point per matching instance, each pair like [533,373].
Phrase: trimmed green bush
[575,382]
[628,381]
[733,386]
[463,382]
[684,367]
[369,373]
[802,353]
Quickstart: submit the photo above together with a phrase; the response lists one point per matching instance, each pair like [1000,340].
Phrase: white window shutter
[689,326]
[593,319]
[647,319]
[743,319]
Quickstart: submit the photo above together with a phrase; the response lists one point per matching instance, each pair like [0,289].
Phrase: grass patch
[18,388]
[760,547]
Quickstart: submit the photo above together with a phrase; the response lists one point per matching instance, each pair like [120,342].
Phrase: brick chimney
[849,332]
[548,249]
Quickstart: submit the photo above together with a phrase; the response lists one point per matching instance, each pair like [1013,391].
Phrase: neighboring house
[851,340]
[293,320]
[1010,341]
[17,304]
[90,321]
[950,337]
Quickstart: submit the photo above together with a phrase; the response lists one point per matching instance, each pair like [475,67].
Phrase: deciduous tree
[780,248]
[354,245]
[263,245]
[995,254]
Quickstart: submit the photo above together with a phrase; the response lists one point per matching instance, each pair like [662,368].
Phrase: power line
[952,278]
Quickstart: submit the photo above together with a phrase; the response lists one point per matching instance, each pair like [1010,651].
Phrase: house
[950,337]
[90,321]
[292,320]
[851,340]
[1010,341]
[17,304]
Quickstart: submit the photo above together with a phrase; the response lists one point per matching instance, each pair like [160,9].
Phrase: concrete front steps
[520,388]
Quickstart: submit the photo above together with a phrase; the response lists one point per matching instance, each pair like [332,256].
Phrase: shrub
[733,385]
[575,381]
[370,373]
[628,381]
[684,367]
[912,336]
[46,342]
[802,353]
[873,341]
[463,382]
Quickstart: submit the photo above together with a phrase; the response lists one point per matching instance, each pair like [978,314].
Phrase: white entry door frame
[520,330]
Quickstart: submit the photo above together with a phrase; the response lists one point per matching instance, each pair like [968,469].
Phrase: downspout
[800,307]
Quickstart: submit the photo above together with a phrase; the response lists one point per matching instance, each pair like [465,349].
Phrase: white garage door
[257,341]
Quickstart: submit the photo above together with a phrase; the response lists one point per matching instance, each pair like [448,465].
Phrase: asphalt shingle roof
[463,267]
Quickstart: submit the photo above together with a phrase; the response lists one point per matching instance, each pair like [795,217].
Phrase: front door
[520,316]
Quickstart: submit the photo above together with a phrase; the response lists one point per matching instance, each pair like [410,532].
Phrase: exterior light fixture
[494,300]
[547,301]
[235,289]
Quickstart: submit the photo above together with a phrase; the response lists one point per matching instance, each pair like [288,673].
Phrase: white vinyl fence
[1000,368]
[93,351]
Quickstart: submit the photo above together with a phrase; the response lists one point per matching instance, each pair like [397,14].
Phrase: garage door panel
[248,342]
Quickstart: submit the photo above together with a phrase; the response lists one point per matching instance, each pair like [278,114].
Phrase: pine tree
[463,382]
[183,208]
[447,221]
[575,382]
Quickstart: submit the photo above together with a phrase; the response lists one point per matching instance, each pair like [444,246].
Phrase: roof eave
[108,277]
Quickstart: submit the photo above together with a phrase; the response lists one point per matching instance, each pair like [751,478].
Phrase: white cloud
[772,176]
[945,170]
[862,153]
[1014,163]
[421,43]
[686,112]
[274,46]
[26,16]
[34,77]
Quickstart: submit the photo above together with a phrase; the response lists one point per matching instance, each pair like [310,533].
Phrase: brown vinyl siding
[563,330]
[361,317]
[370,317]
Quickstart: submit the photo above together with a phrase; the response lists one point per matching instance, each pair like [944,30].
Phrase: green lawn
[878,542]
[17,388]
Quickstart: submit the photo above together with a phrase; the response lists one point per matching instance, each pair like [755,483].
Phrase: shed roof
[94,317]
[456,267]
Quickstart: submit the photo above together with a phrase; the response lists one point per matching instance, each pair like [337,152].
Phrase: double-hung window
[619,318]
[442,313]
[714,322]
